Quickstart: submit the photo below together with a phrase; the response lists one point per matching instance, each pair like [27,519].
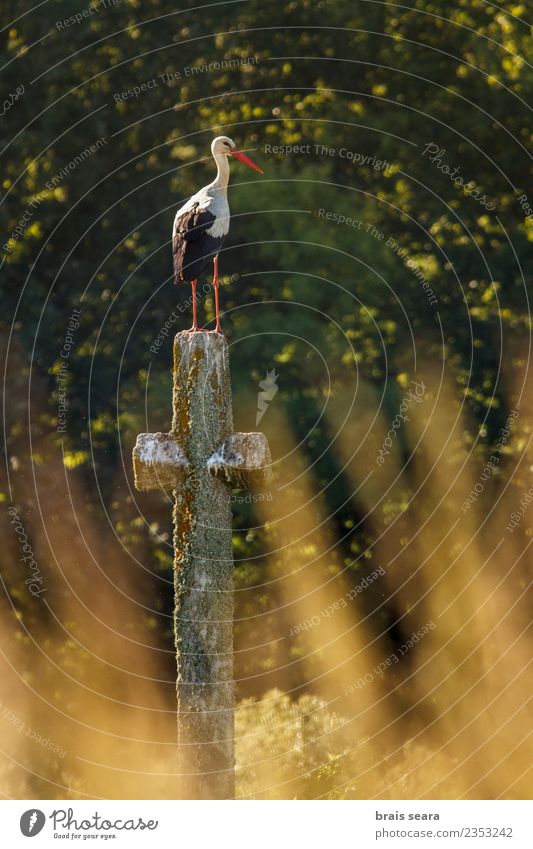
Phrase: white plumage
[202,224]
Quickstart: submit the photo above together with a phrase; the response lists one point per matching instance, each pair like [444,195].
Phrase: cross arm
[158,462]
[243,461]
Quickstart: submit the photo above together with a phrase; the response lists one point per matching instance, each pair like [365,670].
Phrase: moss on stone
[204,567]
[201,457]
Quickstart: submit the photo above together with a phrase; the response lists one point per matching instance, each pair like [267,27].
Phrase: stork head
[224,146]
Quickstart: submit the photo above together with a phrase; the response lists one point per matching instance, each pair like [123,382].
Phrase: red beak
[238,154]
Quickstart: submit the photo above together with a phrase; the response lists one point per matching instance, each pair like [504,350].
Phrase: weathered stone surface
[204,567]
[158,462]
[199,459]
[243,461]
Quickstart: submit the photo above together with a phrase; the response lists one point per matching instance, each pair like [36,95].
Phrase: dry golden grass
[448,720]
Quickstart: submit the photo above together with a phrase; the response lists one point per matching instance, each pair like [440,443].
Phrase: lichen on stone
[158,462]
[201,457]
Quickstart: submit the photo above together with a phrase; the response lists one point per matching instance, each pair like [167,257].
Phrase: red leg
[194,327]
[218,328]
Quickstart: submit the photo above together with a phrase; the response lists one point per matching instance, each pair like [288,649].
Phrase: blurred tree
[112,131]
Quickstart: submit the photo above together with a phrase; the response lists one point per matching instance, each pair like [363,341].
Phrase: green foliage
[331,306]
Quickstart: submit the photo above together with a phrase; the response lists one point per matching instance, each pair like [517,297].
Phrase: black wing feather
[191,254]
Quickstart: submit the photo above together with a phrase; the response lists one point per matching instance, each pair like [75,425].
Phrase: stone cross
[200,460]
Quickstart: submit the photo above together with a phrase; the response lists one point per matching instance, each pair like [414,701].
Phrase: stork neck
[222,178]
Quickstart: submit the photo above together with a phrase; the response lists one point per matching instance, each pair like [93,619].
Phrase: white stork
[202,224]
